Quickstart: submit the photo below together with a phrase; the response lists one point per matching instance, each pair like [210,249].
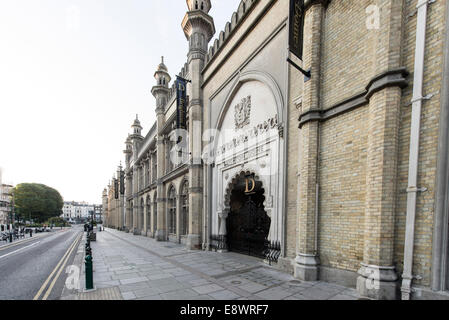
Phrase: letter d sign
[253,185]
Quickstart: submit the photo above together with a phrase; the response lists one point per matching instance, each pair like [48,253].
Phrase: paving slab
[205,289]
[224,295]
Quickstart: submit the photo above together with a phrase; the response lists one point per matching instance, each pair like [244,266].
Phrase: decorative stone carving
[223,214]
[242,113]
[281,130]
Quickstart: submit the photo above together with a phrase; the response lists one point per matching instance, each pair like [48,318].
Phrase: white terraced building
[73,211]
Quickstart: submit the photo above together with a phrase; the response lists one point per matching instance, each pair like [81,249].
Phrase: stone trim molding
[175,173]
[196,102]
[167,128]
[309,3]
[391,78]
[195,190]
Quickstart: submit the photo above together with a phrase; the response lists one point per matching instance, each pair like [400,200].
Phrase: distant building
[77,211]
[5,202]
[98,210]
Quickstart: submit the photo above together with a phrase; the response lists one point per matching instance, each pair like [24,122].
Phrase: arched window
[147,173]
[154,174]
[148,214]
[185,209]
[140,220]
[202,5]
[196,4]
[172,211]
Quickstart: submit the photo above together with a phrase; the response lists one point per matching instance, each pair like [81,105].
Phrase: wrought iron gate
[248,229]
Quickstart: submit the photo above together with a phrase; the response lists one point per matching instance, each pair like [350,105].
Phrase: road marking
[50,288]
[6,246]
[56,268]
[20,242]
[18,250]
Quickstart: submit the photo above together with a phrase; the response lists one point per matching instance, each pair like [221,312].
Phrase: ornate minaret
[136,140]
[110,205]
[161,91]
[136,136]
[128,182]
[120,200]
[128,151]
[199,29]
[104,198]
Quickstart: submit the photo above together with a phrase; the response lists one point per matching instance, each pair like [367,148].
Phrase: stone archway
[245,224]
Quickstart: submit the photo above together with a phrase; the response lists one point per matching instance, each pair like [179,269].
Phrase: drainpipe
[412,190]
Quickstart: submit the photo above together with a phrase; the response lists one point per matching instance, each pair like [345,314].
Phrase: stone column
[135,198]
[378,278]
[129,191]
[223,232]
[199,28]
[145,218]
[161,232]
[120,211]
[307,260]
[153,220]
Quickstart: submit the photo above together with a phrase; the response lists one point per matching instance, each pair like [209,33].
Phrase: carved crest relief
[242,113]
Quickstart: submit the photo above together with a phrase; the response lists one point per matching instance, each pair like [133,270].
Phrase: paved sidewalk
[139,268]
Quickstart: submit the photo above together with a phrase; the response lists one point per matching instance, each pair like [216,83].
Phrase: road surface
[35,268]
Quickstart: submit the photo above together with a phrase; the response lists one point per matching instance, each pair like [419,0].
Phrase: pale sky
[73,75]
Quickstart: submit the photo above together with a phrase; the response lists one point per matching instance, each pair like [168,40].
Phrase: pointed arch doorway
[247,224]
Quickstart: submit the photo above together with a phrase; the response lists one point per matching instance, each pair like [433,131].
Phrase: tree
[57,222]
[37,201]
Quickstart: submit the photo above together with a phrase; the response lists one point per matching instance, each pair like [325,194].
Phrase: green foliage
[36,225]
[57,222]
[37,201]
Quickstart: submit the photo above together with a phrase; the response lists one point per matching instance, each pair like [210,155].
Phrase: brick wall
[343,155]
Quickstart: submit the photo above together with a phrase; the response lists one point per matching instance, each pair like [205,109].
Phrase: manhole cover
[236,282]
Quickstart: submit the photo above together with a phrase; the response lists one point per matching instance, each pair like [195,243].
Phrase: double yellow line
[58,269]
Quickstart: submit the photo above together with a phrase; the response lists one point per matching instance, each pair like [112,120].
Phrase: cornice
[391,78]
